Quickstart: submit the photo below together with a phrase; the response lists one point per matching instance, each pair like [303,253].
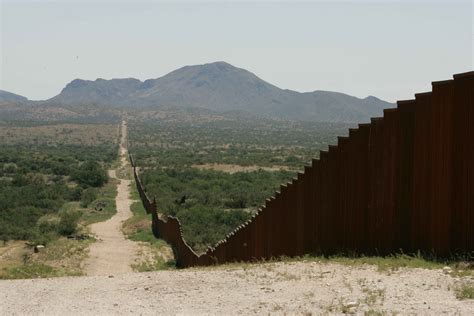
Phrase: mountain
[6,96]
[100,91]
[222,87]
[14,107]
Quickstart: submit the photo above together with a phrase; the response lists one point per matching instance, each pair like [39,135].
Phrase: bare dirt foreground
[297,287]
[113,253]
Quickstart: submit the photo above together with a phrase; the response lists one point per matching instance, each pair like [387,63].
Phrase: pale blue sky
[390,49]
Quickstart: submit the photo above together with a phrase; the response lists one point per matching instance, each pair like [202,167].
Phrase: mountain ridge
[221,87]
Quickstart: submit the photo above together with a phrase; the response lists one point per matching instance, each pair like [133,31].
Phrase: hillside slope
[8,97]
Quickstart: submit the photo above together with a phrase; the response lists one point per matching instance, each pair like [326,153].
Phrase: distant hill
[100,91]
[7,97]
[221,87]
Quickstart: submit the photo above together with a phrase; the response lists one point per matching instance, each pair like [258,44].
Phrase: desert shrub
[38,238]
[90,173]
[76,193]
[48,224]
[36,184]
[5,231]
[88,196]
[68,223]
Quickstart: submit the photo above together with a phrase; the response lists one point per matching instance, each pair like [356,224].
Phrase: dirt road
[295,288]
[113,253]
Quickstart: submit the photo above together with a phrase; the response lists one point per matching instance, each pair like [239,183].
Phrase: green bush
[37,183]
[48,225]
[5,232]
[88,196]
[38,238]
[90,173]
[76,193]
[68,223]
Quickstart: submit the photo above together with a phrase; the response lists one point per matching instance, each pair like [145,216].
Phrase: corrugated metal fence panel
[291,225]
[405,175]
[441,159]
[342,192]
[421,173]
[315,218]
[375,185]
[259,235]
[463,162]
[299,226]
[351,212]
[334,223]
[309,211]
[324,225]
[267,226]
[277,229]
[390,183]
[362,185]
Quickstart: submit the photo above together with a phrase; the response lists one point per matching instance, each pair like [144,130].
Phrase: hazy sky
[390,49]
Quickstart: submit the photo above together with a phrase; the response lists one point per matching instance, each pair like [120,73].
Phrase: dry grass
[465,291]
[62,257]
[11,253]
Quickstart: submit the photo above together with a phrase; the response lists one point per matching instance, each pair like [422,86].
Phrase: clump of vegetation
[90,173]
[38,182]
[210,204]
[68,223]
[28,271]
[465,291]
[88,196]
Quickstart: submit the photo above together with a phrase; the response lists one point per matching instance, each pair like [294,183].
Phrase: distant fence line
[402,182]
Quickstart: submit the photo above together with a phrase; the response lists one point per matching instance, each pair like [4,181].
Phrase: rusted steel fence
[402,182]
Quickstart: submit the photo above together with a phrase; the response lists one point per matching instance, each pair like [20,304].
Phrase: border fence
[403,182]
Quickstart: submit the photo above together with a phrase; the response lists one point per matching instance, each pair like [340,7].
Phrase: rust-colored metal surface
[402,182]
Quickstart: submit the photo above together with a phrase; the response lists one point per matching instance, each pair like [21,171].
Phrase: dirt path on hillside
[278,288]
[113,253]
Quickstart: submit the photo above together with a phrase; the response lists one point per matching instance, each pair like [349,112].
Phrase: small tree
[88,196]
[90,173]
[68,223]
